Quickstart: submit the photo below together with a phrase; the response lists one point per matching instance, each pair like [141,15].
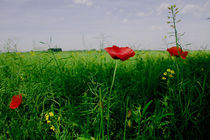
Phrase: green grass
[75,86]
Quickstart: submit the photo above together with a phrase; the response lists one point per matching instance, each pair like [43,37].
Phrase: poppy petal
[174,51]
[122,53]
[184,54]
[16,101]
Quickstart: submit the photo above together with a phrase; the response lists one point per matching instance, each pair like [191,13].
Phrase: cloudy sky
[85,24]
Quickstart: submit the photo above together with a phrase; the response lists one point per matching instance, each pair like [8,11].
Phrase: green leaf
[167,114]
[146,107]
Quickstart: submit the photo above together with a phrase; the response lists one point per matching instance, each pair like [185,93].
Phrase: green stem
[18,114]
[101,112]
[113,78]
[109,98]
[139,121]
[126,116]
[175,31]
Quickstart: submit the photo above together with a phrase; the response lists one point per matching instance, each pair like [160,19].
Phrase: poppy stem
[126,118]
[113,77]
[18,114]
[108,106]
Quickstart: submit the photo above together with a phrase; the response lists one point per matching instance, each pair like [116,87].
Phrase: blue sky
[83,24]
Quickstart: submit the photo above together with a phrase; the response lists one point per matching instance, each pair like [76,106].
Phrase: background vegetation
[75,87]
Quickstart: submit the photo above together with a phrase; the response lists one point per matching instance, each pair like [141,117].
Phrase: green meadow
[80,95]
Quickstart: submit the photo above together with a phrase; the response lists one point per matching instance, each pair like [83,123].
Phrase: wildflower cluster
[169,73]
[48,118]
[32,53]
[20,54]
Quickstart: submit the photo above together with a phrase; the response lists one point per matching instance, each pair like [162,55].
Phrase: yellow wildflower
[172,72]
[51,114]
[171,75]
[52,128]
[48,121]
[129,123]
[165,73]
[129,113]
[102,57]
[46,116]
[163,78]
[168,70]
[21,77]
[32,53]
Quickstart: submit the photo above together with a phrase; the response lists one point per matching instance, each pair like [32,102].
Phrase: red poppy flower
[122,53]
[174,52]
[16,101]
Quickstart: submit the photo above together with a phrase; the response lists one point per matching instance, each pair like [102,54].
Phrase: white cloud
[125,20]
[190,8]
[16,2]
[156,27]
[70,5]
[121,10]
[197,10]
[162,7]
[108,13]
[207,4]
[83,2]
[141,14]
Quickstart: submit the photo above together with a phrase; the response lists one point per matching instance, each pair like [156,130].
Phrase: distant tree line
[55,49]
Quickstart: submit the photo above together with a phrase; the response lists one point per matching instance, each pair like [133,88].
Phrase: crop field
[87,95]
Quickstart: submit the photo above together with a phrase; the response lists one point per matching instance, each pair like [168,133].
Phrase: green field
[75,87]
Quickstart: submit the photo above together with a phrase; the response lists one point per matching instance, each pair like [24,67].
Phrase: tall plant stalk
[174,11]
[174,24]
[109,98]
